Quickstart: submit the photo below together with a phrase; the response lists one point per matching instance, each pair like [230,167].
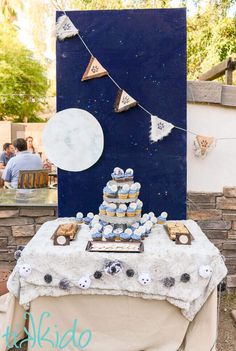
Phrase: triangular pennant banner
[94,70]
[202,145]
[65,28]
[124,101]
[159,128]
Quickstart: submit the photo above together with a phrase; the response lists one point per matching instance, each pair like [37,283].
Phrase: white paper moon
[73,140]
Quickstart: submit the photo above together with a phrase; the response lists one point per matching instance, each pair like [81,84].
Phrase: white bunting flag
[124,101]
[94,70]
[65,28]
[159,128]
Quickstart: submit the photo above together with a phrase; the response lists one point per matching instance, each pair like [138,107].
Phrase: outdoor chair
[33,179]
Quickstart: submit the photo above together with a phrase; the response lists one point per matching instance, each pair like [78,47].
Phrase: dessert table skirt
[119,323]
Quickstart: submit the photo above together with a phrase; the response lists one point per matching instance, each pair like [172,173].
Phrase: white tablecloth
[161,259]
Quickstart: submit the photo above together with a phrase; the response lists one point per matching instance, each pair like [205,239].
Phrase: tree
[23,83]
[211,36]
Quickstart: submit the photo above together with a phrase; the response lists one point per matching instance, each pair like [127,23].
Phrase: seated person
[24,160]
[6,155]
[8,152]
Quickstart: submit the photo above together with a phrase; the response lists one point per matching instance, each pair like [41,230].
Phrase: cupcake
[142,230]
[133,191]
[126,235]
[138,187]
[131,209]
[153,220]
[97,226]
[111,210]
[102,208]
[111,191]
[117,174]
[162,218]
[144,218]
[108,234]
[148,226]
[121,210]
[139,204]
[129,174]
[106,191]
[123,192]
[134,226]
[88,218]
[96,235]
[136,236]
[117,233]
[79,217]
[151,214]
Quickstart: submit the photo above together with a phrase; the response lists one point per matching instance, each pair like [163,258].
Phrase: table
[119,308]
[28,197]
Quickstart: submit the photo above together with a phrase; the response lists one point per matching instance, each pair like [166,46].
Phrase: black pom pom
[17,254]
[48,278]
[221,287]
[97,275]
[169,282]
[64,284]
[130,273]
[185,277]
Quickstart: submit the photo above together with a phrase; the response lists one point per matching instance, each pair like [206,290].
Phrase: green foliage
[211,37]
[21,74]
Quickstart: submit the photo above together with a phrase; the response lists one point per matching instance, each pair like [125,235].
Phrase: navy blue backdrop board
[145,52]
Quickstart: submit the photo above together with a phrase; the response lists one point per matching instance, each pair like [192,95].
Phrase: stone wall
[17,226]
[216,215]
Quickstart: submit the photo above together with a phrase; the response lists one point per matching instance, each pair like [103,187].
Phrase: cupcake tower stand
[124,221]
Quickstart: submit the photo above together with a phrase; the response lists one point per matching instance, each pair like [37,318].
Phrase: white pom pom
[113,206]
[96,218]
[138,185]
[128,231]
[129,171]
[138,231]
[164,214]
[79,215]
[144,279]
[123,207]
[24,270]
[151,214]
[205,271]
[114,188]
[118,231]
[90,215]
[133,186]
[107,230]
[133,205]
[84,282]
[125,187]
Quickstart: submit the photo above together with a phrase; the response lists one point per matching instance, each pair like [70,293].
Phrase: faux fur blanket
[183,275]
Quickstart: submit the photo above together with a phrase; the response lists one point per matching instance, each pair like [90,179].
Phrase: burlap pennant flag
[94,70]
[203,144]
[65,28]
[159,128]
[124,101]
